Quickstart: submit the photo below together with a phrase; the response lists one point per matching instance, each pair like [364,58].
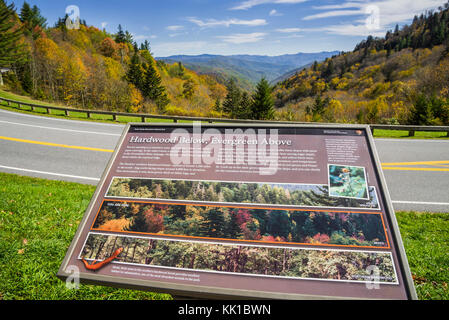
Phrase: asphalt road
[416,171]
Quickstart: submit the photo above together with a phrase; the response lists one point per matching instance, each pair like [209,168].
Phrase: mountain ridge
[247,69]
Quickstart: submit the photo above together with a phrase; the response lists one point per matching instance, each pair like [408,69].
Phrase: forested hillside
[402,78]
[92,69]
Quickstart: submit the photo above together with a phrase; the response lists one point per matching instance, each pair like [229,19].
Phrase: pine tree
[217,105]
[232,100]
[139,224]
[11,52]
[263,105]
[31,18]
[120,37]
[135,72]
[421,113]
[214,224]
[232,230]
[145,46]
[152,87]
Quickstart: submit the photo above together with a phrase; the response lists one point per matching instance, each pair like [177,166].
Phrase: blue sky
[264,27]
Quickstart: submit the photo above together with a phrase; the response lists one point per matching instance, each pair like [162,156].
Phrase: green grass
[426,241]
[38,219]
[398,134]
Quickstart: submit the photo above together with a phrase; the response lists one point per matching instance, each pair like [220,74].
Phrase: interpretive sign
[250,211]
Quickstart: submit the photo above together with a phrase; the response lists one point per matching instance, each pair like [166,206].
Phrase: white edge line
[425,203]
[61,129]
[50,173]
[56,119]
[409,140]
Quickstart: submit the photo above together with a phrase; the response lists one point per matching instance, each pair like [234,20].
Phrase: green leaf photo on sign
[347,181]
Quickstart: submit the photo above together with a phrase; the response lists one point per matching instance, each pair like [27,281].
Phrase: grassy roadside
[38,219]
[105,118]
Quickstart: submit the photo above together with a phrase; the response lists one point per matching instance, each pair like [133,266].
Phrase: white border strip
[50,173]
[249,245]
[424,203]
[43,117]
[61,129]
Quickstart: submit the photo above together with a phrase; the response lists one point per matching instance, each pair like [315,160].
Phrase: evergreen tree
[214,224]
[263,104]
[120,37]
[31,17]
[232,100]
[279,224]
[139,224]
[145,46]
[217,105]
[152,87]
[232,229]
[11,52]
[421,113]
[135,72]
[188,88]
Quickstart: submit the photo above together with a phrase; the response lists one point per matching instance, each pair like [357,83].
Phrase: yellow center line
[414,169]
[55,144]
[416,163]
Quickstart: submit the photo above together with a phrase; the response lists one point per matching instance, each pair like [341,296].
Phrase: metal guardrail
[143,116]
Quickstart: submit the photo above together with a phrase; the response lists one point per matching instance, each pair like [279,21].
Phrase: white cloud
[337,13]
[104,24]
[275,13]
[240,38]
[289,30]
[140,37]
[350,30]
[174,28]
[226,23]
[245,5]
[391,12]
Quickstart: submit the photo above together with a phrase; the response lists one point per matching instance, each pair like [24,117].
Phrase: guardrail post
[114,117]
[66,112]
[88,114]
[447,134]
[143,118]
[411,133]
[175,120]
[48,110]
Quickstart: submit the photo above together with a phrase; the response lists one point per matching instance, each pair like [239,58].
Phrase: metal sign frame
[197,291]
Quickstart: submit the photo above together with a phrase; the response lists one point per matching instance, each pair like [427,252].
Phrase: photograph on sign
[243,211]
[230,192]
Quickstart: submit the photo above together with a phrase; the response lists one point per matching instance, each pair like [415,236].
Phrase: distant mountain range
[248,69]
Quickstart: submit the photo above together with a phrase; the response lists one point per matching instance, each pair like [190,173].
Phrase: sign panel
[251,211]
